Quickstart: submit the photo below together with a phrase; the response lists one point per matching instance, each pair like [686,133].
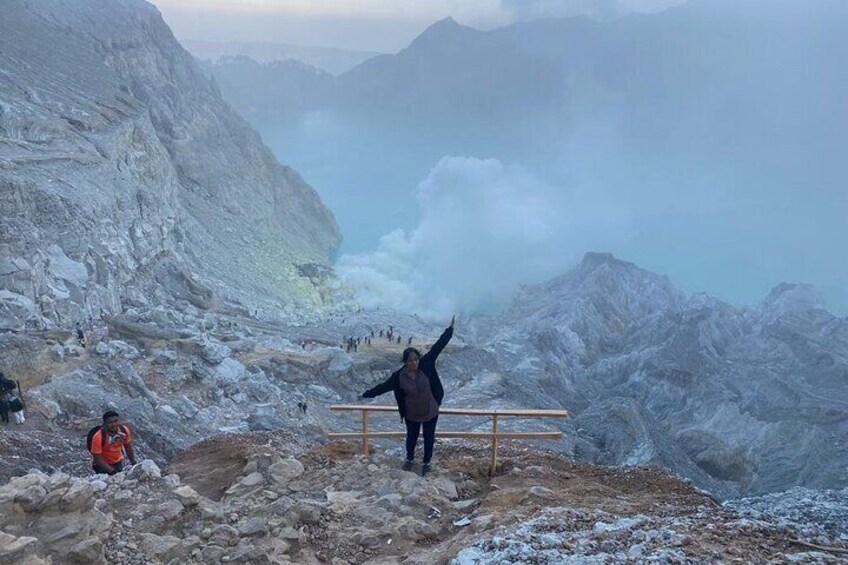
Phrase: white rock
[98,485]
[284,471]
[253,479]
[462,522]
[145,470]
[187,495]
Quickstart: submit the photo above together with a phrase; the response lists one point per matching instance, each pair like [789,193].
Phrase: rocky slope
[182,375]
[608,341]
[327,505]
[120,165]
[131,195]
[737,399]
[741,401]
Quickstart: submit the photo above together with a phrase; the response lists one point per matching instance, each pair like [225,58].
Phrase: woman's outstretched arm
[442,341]
[381,388]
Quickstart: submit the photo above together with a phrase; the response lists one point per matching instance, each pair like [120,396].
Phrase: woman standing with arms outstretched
[419,393]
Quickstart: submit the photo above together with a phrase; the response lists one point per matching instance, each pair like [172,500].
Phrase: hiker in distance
[418,392]
[7,396]
[107,444]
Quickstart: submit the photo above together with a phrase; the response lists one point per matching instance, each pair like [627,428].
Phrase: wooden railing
[495,435]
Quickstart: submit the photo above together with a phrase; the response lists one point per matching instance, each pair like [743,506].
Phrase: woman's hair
[410,350]
[109,414]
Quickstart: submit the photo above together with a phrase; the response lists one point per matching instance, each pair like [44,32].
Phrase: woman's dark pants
[412,429]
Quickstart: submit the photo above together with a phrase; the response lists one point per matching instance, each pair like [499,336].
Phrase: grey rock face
[738,400]
[117,157]
[36,506]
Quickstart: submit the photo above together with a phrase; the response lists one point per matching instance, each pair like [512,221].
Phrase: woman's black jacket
[427,365]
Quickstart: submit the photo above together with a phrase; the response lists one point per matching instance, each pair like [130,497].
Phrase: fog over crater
[701,141]
[484,228]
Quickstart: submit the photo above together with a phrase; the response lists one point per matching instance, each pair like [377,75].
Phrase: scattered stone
[307,513]
[187,495]
[98,485]
[165,358]
[289,534]
[281,506]
[284,471]
[462,522]
[14,549]
[212,554]
[146,470]
[465,504]
[170,509]
[210,510]
[88,551]
[253,479]
[57,353]
[165,547]
[70,531]
[252,527]
[224,536]
[445,486]
[31,497]
[251,467]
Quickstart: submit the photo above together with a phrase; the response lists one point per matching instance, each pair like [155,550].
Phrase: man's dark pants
[102,470]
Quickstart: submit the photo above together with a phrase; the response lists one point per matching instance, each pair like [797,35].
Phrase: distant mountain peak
[793,297]
[594,259]
[446,23]
[440,30]
[602,278]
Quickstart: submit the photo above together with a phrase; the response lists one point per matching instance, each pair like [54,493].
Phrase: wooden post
[494,444]
[365,432]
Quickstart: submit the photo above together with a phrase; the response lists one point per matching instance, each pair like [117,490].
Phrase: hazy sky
[371,25]
[727,178]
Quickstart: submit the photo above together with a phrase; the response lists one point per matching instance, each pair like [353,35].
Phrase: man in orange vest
[107,445]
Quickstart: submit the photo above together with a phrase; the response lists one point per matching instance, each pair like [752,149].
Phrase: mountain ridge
[608,330]
[124,158]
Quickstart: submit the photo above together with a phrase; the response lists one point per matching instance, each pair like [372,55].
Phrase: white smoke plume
[484,229]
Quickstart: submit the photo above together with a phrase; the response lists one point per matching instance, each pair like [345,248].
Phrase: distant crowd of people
[351,343]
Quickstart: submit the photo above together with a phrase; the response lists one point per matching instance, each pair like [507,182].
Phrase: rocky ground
[137,204]
[178,377]
[265,500]
[246,477]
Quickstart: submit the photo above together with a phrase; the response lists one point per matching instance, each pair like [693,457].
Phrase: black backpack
[96,429]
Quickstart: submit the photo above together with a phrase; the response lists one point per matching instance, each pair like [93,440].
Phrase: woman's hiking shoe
[407,465]
[425,468]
